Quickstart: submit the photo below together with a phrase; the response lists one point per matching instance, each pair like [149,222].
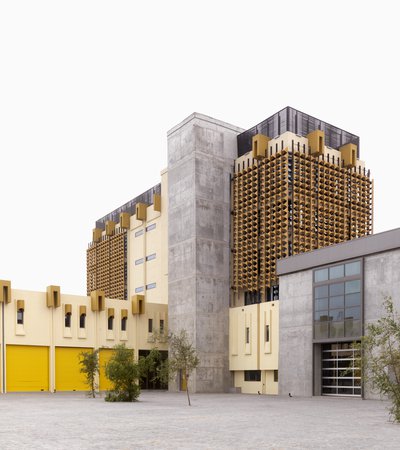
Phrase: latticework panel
[117,262]
[333,207]
[90,269]
[106,266]
[245,229]
[360,201]
[290,203]
[303,203]
[274,225]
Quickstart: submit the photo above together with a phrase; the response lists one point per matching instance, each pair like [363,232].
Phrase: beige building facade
[43,333]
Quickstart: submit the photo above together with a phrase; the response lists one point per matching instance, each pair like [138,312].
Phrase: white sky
[88,90]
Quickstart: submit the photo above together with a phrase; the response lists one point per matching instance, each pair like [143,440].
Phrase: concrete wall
[381,279]
[201,151]
[296,334]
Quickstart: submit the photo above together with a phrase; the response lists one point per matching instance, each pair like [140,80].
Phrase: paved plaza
[163,420]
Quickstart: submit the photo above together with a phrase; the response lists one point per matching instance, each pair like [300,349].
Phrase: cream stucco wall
[45,326]
[144,242]
[259,353]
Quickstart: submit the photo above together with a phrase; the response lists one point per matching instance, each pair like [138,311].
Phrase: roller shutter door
[27,368]
[68,376]
[104,356]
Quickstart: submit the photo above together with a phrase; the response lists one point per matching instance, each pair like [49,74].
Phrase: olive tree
[90,368]
[123,371]
[182,358]
[380,360]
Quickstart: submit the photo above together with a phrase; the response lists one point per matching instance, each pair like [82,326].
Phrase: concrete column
[201,151]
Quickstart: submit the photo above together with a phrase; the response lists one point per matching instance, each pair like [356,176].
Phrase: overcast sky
[89,89]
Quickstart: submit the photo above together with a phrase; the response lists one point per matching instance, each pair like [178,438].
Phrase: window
[275,376]
[252,375]
[337,301]
[266,333]
[150,327]
[353,268]
[151,227]
[139,261]
[123,323]
[161,326]
[150,286]
[139,233]
[139,289]
[20,316]
[251,298]
[151,257]
[247,335]
[336,272]
[110,323]
[67,320]
[82,321]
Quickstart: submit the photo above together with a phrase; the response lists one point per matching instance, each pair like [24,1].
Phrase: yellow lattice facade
[106,265]
[289,202]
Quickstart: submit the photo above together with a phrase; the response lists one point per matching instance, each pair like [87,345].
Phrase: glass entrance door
[341,375]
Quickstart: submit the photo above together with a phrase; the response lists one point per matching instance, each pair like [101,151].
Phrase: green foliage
[182,358]
[151,367]
[90,367]
[381,357]
[123,372]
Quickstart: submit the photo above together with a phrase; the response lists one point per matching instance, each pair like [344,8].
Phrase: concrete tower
[201,153]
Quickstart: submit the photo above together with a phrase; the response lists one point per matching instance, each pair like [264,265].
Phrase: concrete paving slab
[221,421]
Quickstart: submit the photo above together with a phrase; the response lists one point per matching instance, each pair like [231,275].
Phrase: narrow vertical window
[67,320]
[123,323]
[161,326]
[110,324]
[82,321]
[150,327]
[20,316]
[266,333]
[247,335]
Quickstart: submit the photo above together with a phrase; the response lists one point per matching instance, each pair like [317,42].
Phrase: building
[326,299]
[43,333]
[298,185]
[233,203]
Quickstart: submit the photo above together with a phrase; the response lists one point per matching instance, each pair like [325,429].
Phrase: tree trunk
[187,388]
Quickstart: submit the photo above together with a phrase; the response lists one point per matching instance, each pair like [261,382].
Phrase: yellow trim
[53,296]
[96,234]
[82,310]
[111,312]
[20,305]
[316,141]
[157,202]
[97,300]
[68,309]
[110,228]
[124,313]
[349,155]
[5,291]
[124,220]
[259,146]
[138,305]
[141,210]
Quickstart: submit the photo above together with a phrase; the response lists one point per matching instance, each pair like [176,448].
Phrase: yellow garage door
[104,356]
[27,368]
[68,375]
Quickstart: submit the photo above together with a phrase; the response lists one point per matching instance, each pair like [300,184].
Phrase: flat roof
[367,245]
